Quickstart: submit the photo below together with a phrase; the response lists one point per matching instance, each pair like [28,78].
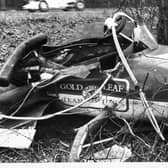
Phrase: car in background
[45,5]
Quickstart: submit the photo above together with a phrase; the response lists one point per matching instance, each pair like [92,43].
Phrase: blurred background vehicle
[45,5]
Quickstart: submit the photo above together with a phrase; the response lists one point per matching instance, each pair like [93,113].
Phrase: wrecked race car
[118,75]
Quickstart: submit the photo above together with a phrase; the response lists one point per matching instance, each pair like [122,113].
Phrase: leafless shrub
[141,10]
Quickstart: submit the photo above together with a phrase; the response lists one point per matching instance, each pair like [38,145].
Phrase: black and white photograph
[83,81]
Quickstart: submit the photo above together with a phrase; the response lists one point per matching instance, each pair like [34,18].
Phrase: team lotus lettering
[79,87]
[101,103]
[71,100]
[74,100]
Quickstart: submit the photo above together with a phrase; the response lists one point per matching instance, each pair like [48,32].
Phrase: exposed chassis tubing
[132,76]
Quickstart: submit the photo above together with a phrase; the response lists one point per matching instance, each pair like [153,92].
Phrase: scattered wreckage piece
[115,153]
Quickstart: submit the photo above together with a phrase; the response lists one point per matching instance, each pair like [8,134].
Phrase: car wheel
[80,6]
[66,9]
[31,10]
[43,6]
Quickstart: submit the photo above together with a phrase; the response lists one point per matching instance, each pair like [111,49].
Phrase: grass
[62,27]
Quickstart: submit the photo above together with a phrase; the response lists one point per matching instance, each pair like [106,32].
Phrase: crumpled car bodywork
[41,82]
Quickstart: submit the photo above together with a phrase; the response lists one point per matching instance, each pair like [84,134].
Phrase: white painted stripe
[100,102]
[136,108]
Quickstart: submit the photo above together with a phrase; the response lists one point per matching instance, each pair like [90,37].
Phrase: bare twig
[132,133]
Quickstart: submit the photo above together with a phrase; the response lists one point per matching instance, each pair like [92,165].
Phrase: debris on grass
[115,153]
